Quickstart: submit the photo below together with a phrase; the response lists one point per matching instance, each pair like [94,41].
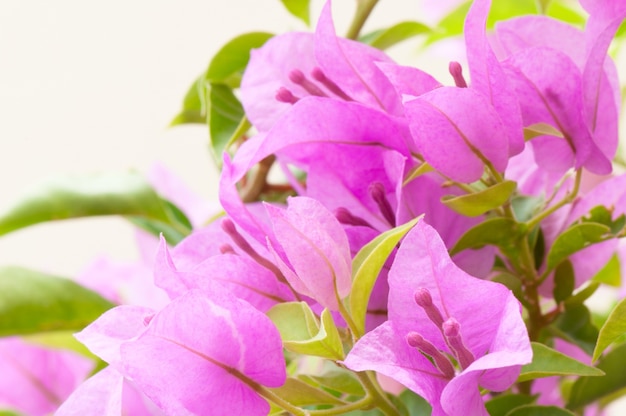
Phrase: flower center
[451,332]
[378,194]
[320,86]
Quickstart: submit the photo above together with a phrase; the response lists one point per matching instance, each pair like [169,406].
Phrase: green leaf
[574,239]
[500,232]
[560,10]
[548,362]
[611,273]
[193,110]
[88,195]
[575,325]
[299,9]
[537,410]
[340,380]
[61,340]
[473,205]
[173,234]
[540,129]
[366,267]
[417,171]
[564,281]
[501,405]
[230,61]
[303,334]
[225,115]
[32,302]
[383,39]
[586,391]
[525,207]
[299,393]
[9,413]
[613,328]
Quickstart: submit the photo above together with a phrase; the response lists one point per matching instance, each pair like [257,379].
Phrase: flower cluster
[433,240]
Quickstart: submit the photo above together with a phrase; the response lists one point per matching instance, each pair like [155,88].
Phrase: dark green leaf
[574,239]
[576,326]
[366,266]
[225,114]
[583,294]
[501,405]
[564,281]
[299,9]
[613,328]
[473,205]
[588,390]
[88,195]
[536,410]
[383,39]
[548,362]
[300,393]
[32,302]
[230,61]
[414,404]
[500,232]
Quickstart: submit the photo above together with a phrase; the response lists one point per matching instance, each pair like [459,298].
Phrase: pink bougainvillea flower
[34,379]
[458,131]
[439,311]
[294,66]
[575,89]
[202,355]
[316,254]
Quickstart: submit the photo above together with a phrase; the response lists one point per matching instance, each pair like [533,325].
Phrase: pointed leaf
[501,405]
[586,390]
[613,328]
[230,61]
[383,39]
[366,266]
[340,380]
[193,110]
[611,273]
[415,405]
[473,205]
[540,129]
[549,362]
[536,410]
[574,239]
[500,232]
[87,195]
[299,9]
[225,114]
[299,393]
[32,302]
[301,333]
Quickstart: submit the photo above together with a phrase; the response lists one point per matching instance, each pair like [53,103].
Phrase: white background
[90,86]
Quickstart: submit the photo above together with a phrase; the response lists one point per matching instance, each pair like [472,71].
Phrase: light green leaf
[366,267]
[500,232]
[561,10]
[473,205]
[540,129]
[340,380]
[32,302]
[574,239]
[225,115]
[537,410]
[299,9]
[386,38]
[303,334]
[417,171]
[230,61]
[586,390]
[613,328]
[414,404]
[193,110]
[611,273]
[299,393]
[502,404]
[89,195]
[548,362]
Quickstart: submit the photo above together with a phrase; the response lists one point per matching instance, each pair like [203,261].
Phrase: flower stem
[380,399]
[363,10]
